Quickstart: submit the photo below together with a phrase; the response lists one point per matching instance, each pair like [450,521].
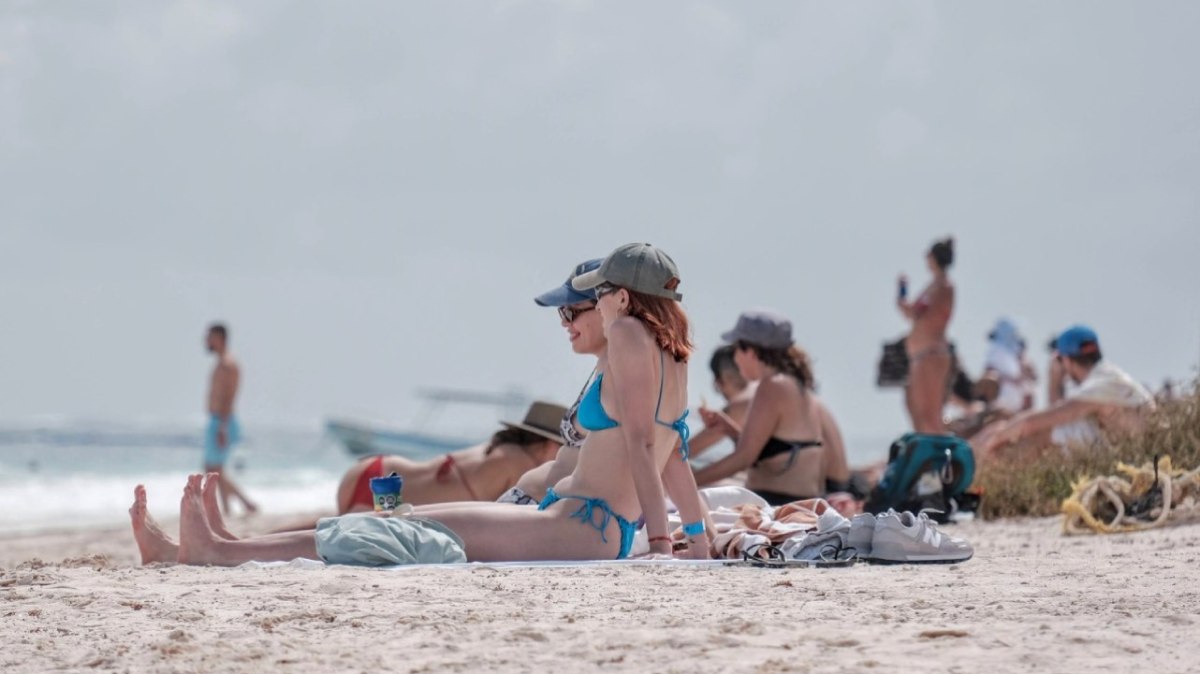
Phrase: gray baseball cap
[762,327]
[635,266]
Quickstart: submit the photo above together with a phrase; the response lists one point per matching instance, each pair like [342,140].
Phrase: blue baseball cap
[565,294]
[1077,340]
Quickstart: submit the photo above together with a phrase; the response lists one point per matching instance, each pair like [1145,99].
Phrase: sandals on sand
[768,556]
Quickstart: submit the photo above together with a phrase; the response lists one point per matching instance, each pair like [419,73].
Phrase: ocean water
[84,474]
[71,475]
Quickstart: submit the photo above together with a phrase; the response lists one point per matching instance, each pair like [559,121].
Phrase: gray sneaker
[862,531]
[907,538]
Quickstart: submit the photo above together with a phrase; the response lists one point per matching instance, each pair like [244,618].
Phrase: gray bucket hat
[761,327]
[635,266]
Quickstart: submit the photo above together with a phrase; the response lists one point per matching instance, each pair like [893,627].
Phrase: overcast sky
[371,193]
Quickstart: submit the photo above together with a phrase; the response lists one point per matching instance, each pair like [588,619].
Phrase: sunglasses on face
[569,314]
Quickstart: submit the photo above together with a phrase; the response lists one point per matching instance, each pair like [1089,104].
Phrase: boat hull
[361,439]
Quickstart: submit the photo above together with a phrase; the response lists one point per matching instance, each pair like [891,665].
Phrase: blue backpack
[924,471]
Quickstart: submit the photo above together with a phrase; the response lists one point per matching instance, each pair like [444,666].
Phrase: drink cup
[386,491]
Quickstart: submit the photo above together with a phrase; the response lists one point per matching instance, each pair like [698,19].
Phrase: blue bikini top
[593,416]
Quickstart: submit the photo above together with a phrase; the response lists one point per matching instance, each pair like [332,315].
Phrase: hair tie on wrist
[693,529]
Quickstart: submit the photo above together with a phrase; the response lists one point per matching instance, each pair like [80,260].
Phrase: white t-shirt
[1007,365]
[1106,384]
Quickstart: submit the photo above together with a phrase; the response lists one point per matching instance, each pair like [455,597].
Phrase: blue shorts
[215,456]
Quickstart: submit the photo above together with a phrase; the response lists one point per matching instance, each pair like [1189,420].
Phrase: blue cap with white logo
[565,295]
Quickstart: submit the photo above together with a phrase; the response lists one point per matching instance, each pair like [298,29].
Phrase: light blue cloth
[368,540]
[215,455]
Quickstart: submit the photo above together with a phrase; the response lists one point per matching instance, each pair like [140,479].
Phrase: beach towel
[1137,498]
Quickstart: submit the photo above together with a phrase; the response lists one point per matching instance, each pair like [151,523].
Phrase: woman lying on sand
[789,445]
[623,467]
[479,473]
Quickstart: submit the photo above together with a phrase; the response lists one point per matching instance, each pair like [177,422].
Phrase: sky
[370,194]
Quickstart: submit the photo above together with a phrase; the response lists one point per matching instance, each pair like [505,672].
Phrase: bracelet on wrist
[664,539]
[694,529]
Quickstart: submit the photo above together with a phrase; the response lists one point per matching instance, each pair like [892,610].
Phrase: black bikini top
[775,447]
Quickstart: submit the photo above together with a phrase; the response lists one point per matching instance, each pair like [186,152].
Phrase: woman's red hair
[666,320]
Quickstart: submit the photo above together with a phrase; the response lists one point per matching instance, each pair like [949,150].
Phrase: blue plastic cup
[386,491]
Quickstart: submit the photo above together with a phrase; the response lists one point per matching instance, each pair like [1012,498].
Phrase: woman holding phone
[930,359]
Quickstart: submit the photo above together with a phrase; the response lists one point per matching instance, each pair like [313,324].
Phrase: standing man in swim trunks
[223,431]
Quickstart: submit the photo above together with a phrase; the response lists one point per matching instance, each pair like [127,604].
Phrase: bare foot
[212,509]
[154,545]
[197,542]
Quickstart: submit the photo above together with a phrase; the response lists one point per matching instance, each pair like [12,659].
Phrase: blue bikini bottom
[587,515]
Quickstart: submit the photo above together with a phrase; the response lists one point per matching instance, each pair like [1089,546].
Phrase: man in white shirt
[1107,399]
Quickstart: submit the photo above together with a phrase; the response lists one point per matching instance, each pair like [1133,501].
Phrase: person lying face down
[634,410]
[479,473]
[782,443]
[1106,399]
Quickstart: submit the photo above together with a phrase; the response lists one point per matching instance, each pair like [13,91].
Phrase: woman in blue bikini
[634,409]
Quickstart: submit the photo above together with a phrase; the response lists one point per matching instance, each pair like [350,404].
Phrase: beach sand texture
[1031,600]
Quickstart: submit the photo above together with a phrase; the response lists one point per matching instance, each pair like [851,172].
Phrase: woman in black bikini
[781,442]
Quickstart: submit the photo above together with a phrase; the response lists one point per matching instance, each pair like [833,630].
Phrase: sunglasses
[569,314]
[605,289]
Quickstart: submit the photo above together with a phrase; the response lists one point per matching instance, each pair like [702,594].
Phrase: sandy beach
[1031,600]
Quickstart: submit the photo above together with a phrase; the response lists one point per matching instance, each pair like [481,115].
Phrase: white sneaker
[904,537]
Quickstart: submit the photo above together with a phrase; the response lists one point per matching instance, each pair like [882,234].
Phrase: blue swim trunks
[215,456]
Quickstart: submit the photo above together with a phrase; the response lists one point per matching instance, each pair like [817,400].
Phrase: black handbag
[893,365]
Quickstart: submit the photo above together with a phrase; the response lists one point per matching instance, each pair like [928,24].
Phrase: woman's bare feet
[198,544]
[154,545]
[212,509]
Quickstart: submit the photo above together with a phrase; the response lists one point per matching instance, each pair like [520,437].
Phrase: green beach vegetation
[1036,480]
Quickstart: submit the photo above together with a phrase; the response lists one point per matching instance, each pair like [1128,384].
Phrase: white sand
[1031,600]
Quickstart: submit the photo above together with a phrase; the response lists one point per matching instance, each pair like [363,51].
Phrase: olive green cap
[635,266]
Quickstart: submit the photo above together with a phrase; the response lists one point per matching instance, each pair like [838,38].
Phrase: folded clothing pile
[812,530]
